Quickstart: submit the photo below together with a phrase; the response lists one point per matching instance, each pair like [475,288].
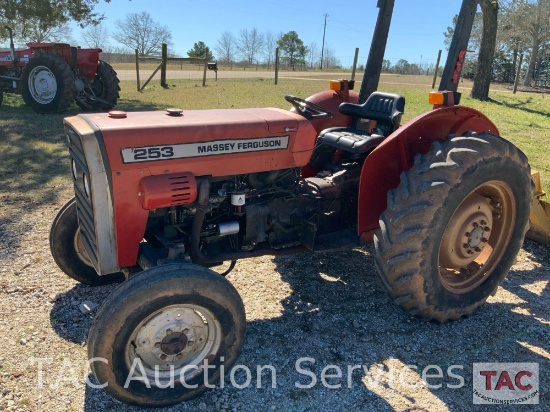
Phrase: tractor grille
[82,189]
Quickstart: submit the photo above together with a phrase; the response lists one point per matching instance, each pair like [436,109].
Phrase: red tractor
[50,76]
[163,196]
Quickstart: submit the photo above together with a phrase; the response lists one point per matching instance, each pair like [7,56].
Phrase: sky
[416,32]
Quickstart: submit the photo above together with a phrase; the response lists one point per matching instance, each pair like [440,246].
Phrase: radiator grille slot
[84,207]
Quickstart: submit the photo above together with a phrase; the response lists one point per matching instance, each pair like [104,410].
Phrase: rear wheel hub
[476,236]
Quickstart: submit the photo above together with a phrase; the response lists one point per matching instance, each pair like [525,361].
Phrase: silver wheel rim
[80,251]
[42,84]
[173,343]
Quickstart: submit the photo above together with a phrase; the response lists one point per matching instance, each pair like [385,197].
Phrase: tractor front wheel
[69,253]
[48,84]
[454,225]
[166,335]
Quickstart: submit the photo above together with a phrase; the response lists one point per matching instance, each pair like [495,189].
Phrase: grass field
[34,159]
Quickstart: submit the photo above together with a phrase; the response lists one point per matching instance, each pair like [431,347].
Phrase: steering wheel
[307,109]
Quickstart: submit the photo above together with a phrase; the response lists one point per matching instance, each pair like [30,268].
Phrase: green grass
[34,162]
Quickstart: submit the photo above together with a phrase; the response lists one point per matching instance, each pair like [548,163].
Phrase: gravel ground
[328,307]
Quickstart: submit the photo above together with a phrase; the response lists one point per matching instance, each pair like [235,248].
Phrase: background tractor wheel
[454,226]
[105,86]
[68,251]
[166,323]
[48,84]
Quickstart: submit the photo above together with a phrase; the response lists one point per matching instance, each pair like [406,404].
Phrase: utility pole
[323,47]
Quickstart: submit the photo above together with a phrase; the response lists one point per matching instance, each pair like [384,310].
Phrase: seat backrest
[385,108]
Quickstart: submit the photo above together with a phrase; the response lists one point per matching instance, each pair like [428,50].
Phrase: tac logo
[506,383]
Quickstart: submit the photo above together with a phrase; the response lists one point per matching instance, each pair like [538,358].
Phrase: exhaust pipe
[12,46]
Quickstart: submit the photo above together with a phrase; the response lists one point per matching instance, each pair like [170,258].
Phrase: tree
[225,47]
[482,80]
[475,35]
[34,30]
[249,44]
[199,51]
[50,13]
[330,61]
[139,31]
[270,43]
[96,37]
[312,55]
[402,66]
[534,19]
[292,47]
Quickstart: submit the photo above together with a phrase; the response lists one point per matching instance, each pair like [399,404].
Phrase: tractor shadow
[337,313]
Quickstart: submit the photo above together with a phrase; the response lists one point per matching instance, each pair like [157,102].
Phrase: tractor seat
[384,108]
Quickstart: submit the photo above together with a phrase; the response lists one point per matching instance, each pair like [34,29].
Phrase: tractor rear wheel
[105,87]
[454,225]
[48,84]
[69,253]
[166,334]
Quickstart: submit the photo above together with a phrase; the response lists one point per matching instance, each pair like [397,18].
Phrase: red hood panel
[205,142]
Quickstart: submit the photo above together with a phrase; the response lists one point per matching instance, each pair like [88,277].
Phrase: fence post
[354,63]
[516,81]
[137,71]
[163,68]
[276,66]
[436,69]
[205,67]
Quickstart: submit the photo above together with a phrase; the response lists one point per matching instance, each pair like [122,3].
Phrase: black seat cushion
[350,140]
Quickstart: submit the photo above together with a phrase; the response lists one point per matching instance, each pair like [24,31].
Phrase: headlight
[73,166]
[86,185]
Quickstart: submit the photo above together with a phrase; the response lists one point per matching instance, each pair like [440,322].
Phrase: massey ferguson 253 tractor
[162,196]
[49,76]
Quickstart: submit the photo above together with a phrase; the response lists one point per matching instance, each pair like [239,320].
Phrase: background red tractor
[50,76]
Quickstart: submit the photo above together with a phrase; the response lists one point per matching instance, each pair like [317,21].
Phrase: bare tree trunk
[511,75]
[482,80]
[532,61]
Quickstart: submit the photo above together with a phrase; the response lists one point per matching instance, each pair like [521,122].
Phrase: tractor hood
[203,142]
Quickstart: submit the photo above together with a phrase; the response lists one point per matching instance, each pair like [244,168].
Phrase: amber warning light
[444,98]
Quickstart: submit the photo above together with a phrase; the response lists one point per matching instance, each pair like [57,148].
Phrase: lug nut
[477,249]
[484,239]
[466,246]
[475,224]
[486,229]
[470,252]
[467,234]
[483,223]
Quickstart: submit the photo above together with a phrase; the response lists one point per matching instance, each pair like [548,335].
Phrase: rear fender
[384,165]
